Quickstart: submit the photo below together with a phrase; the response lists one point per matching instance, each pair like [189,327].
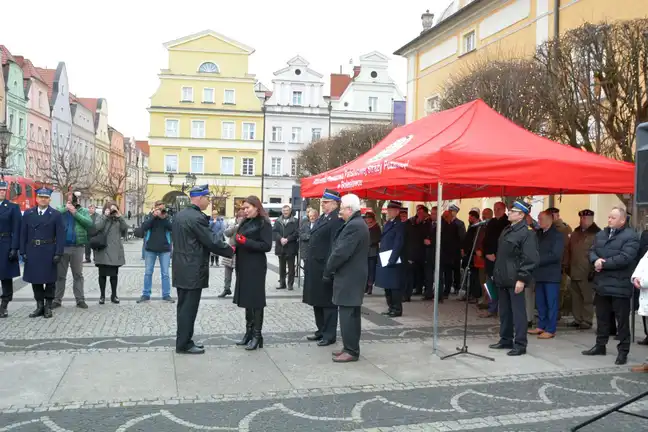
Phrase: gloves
[240,239]
[24,257]
[13,255]
[234,249]
[56,259]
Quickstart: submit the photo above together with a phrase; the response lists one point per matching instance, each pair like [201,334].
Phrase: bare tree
[337,150]
[220,194]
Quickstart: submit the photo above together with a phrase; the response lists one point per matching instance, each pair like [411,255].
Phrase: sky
[113,49]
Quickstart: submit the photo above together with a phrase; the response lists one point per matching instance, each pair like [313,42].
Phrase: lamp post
[190,181]
[5,139]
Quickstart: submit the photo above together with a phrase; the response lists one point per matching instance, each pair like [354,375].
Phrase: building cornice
[166,76]
[201,111]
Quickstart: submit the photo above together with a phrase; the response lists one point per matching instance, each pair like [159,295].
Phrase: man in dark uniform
[318,292]
[517,258]
[9,244]
[456,267]
[42,240]
[193,242]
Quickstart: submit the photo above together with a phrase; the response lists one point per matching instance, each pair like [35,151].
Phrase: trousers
[7,290]
[187,310]
[582,297]
[72,258]
[44,291]
[286,260]
[547,296]
[326,322]
[513,319]
[350,328]
[620,306]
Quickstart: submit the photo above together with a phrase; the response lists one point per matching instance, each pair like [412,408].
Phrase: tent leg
[437,268]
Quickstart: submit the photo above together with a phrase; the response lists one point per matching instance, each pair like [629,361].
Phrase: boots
[257,338]
[247,337]
[3,309]
[225,293]
[390,305]
[40,309]
[47,309]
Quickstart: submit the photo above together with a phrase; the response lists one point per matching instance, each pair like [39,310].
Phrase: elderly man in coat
[390,275]
[346,270]
[193,242]
[317,293]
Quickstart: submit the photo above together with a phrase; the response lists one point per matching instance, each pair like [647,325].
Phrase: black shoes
[102,300]
[193,350]
[595,350]
[622,358]
[225,293]
[314,337]
[500,345]
[40,309]
[516,352]
[394,314]
[47,309]
[114,299]
[325,342]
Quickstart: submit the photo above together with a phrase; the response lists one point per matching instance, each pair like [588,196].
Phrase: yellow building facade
[471,31]
[206,122]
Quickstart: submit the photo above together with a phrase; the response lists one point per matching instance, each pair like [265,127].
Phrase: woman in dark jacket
[450,251]
[110,258]
[253,240]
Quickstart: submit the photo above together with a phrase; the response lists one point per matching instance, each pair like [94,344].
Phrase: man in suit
[346,270]
[10,219]
[42,241]
[317,292]
[390,276]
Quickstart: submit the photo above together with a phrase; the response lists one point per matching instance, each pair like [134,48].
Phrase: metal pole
[263,151]
[437,268]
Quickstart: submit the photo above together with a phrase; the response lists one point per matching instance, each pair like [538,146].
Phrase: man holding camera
[77,222]
[157,245]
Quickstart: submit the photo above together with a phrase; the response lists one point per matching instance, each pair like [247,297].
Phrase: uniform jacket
[251,262]
[462,228]
[316,292]
[620,254]
[82,223]
[392,275]
[576,260]
[115,228]
[347,265]
[193,241]
[550,249]
[517,255]
[10,219]
[288,230]
[47,230]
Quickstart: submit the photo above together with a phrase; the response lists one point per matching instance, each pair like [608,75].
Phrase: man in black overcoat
[286,235]
[317,292]
[348,271]
[193,242]
[10,219]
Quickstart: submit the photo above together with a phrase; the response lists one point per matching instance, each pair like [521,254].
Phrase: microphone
[482,223]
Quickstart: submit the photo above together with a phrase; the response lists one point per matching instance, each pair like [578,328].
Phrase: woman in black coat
[253,240]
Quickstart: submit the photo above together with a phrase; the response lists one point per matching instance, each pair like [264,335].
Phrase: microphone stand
[464,280]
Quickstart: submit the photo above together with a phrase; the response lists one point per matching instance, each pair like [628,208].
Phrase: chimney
[356,71]
[428,20]
[341,70]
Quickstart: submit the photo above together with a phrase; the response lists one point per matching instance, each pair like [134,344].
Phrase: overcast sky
[115,50]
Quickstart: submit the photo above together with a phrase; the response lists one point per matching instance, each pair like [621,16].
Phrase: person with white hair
[346,270]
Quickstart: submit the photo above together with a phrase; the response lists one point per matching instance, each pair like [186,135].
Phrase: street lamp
[5,139]
[190,181]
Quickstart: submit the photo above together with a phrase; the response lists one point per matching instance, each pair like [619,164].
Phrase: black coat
[316,292]
[551,246]
[10,219]
[517,255]
[450,243]
[288,231]
[347,264]
[415,233]
[374,240]
[620,254]
[304,238]
[251,262]
[494,229]
[392,276]
[39,268]
[193,241]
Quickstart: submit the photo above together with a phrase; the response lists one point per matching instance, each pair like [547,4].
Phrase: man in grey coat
[347,270]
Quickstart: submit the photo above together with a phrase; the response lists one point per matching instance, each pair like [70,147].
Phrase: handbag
[99,241]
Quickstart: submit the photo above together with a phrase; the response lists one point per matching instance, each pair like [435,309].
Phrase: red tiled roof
[339,83]
[143,146]
[48,77]
[29,70]
[6,55]
[90,103]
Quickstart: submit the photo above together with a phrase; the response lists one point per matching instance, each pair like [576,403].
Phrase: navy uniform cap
[395,205]
[586,212]
[330,194]
[198,191]
[521,206]
[44,192]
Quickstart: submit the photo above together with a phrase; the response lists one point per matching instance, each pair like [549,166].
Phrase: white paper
[643,302]
[384,258]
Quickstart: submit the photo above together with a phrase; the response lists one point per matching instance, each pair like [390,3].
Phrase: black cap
[553,210]
[586,212]
[395,205]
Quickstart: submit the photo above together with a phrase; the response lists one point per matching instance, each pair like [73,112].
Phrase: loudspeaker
[641,165]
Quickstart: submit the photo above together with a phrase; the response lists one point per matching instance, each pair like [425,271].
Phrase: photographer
[109,258]
[157,245]
[77,222]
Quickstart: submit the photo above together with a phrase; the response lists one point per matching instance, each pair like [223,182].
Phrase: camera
[75,198]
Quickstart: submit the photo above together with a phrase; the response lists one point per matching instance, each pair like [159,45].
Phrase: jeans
[546,298]
[149,267]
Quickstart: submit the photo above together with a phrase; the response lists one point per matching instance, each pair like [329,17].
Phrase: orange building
[117,166]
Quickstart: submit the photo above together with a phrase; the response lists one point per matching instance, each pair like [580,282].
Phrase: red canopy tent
[469,152]
[475,152]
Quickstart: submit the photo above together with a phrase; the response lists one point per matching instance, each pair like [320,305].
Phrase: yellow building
[206,124]
[469,30]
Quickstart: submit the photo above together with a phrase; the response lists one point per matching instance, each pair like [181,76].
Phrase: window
[297,98]
[249,131]
[21,126]
[247,167]
[296,135]
[227,165]
[170,163]
[11,118]
[208,95]
[31,132]
[275,200]
[316,134]
[469,42]
[40,135]
[373,104]
[277,134]
[227,130]
[40,99]
[293,167]
[275,168]
[198,164]
[197,128]
[229,97]
[208,67]
[187,94]
[171,128]
[432,104]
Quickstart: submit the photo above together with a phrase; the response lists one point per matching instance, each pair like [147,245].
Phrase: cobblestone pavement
[112,368]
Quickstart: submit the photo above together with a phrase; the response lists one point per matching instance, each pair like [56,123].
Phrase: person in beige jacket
[230,263]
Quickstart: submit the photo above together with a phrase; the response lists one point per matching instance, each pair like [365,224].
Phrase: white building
[367,96]
[296,114]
